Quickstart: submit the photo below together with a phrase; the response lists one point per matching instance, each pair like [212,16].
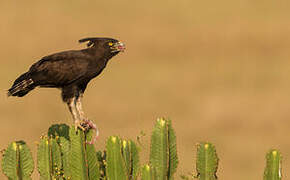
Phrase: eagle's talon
[87,125]
[79,124]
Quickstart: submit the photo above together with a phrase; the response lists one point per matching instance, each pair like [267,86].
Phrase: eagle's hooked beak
[118,47]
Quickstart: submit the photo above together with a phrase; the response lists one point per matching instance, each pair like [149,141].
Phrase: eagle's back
[64,68]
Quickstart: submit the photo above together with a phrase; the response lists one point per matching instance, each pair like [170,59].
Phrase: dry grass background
[219,69]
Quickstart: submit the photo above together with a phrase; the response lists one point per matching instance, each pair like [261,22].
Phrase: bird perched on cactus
[69,71]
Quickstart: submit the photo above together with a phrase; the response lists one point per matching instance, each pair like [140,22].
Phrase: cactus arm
[26,164]
[131,159]
[79,169]
[17,162]
[158,152]
[10,161]
[147,173]
[43,159]
[115,169]
[134,160]
[207,162]
[65,152]
[163,153]
[273,165]
[55,155]
[93,165]
[173,158]
[102,163]
[60,132]
[126,156]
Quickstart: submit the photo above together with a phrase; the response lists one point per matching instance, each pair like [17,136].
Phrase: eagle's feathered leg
[74,112]
[80,107]
[72,108]
[85,122]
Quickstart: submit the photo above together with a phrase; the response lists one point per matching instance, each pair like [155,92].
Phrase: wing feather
[60,69]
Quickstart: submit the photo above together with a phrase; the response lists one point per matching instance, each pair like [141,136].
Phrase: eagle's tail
[21,86]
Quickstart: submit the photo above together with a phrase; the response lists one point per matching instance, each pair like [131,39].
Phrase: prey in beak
[118,47]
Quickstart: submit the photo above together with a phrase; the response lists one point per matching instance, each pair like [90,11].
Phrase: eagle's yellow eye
[110,44]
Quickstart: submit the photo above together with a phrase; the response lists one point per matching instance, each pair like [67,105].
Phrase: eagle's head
[108,46]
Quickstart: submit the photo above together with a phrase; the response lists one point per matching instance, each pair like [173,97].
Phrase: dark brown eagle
[69,71]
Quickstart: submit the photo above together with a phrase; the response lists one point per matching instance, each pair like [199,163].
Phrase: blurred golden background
[219,69]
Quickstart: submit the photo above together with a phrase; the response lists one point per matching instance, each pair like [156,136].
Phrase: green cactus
[77,156]
[17,162]
[172,150]
[131,158]
[61,133]
[43,159]
[91,158]
[101,157]
[59,130]
[56,158]
[64,145]
[53,153]
[26,164]
[115,167]
[83,157]
[64,155]
[49,159]
[273,165]
[147,173]
[163,154]
[207,162]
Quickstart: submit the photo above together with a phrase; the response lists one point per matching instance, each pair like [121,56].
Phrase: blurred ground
[220,70]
